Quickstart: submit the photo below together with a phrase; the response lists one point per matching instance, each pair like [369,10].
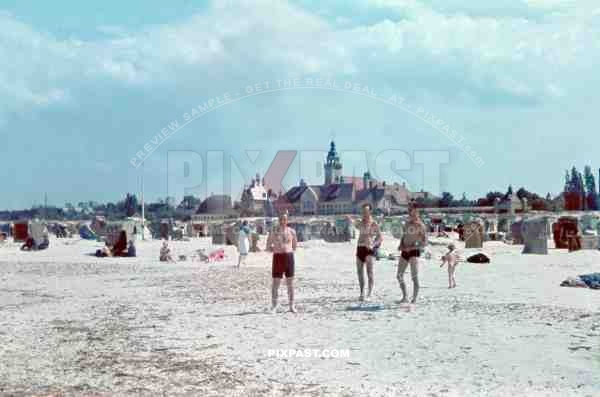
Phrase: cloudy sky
[84,87]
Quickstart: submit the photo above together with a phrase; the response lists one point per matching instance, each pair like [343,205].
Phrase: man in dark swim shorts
[369,237]
[406,255]
[414,239]
[283,263]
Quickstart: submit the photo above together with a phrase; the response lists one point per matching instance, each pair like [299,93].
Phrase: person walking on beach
[282,242]
[243,242]
[451,259]
[369,238]
[412,243]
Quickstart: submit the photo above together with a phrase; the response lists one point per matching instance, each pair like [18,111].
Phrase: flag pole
[143,212]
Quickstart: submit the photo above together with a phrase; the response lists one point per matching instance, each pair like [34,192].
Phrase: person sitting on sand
[120,247]
[282,242]
[369,239]
[3,238]
[131,251]
[451,259]
[29,244]
[44,243]
[574,241]
[413,242]
[165,253]
[104,252]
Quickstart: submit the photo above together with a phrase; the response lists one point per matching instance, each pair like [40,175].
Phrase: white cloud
[550,4]
[33,65]
[514,56]
[419,46]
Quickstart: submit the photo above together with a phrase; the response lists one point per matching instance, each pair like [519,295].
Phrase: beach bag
[478,258]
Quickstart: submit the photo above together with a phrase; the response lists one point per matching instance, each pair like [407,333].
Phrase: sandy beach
[73,324]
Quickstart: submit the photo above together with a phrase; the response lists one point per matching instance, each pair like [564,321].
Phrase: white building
[255,198]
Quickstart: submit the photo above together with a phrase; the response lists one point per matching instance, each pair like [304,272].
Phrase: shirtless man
[282,242]
[414,240]
[369,237]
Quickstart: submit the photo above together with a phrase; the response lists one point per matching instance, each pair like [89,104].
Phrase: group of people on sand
[243,246]
[412,243]
[282,242]
[121,248]
[31,245]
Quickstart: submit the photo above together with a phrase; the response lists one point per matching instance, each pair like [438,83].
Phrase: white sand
[73,324]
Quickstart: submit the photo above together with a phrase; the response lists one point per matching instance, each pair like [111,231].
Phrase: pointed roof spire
[332,155]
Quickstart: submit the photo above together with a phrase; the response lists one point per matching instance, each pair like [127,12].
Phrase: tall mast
[143,209]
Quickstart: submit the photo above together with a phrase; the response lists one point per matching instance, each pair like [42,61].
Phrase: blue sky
[84,87]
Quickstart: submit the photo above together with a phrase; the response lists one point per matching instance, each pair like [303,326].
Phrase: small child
[376,249]
[165,253]
[451,258]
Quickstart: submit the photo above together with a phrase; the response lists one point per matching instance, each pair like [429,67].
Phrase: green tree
[590,184]
[190,202]
[575,192]
[464,202]
[446,200]
[492,196]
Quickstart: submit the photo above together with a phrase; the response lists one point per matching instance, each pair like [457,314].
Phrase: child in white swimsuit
[451,259]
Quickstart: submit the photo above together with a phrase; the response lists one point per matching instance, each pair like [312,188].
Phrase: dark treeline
[129,206]
[580,194]
[580,190]
[534,201]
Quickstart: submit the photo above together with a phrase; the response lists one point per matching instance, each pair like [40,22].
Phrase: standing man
[369,237]
[412,243]
[282,242]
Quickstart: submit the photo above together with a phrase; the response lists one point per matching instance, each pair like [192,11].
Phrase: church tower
[366,180]
[333,166]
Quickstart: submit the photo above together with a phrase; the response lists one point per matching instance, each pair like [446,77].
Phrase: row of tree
[129,206]
[580,191]
[533,200]
[580,194]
